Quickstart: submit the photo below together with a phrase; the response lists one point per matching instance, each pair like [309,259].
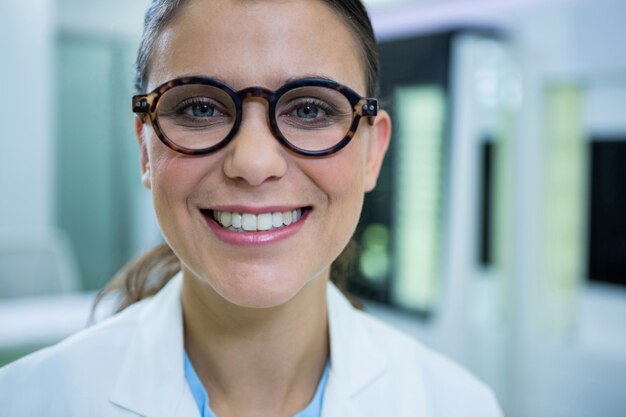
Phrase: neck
[256,361]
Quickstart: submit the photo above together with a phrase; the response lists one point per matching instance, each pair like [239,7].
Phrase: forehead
[257,42]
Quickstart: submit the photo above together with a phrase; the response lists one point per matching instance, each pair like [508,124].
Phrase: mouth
[242,222]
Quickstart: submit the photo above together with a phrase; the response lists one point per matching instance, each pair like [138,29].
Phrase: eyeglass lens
[197,116]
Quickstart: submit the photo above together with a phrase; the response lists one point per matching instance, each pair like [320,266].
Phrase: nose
[254,155]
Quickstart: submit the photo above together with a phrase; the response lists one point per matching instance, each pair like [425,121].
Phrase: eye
[202,110]
[199,107]
[308,111]
[312,108]
[197,112]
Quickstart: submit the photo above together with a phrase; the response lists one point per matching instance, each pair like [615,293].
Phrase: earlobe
[143,153]
[377,147]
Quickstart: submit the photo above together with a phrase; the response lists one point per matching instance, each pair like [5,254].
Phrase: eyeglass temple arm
[140,104]
[141,107]
[367,107]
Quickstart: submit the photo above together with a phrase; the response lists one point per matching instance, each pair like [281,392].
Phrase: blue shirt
[314,409]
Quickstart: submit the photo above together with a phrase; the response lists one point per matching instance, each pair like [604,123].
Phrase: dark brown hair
[146,275]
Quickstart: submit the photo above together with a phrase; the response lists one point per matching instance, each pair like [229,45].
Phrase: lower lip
[255,238]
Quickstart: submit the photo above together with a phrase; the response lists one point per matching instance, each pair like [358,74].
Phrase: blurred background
[497,233]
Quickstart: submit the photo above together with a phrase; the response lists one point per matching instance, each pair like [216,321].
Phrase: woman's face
[262,43]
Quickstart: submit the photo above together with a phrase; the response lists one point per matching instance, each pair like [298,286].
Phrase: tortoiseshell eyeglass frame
[146,105]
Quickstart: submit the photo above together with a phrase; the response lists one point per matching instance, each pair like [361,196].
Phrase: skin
[255,317]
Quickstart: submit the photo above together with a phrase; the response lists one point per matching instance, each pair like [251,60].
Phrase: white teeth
[236,220]
[226,218]
[250,222]
[264,221]
[277,219]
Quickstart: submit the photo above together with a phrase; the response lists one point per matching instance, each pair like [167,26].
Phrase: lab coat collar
[355,359]
[152,381]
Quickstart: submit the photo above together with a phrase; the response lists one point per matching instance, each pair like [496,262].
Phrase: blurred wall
[27,117]
[101,204]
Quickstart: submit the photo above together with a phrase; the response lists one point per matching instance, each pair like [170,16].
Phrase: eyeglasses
[199,115]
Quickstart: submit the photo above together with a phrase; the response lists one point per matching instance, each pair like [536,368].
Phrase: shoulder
[391,373]
[450,388]
[79,368]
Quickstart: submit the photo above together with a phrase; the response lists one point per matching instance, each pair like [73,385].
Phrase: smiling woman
[259,137]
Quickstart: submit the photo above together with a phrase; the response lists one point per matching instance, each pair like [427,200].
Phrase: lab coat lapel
[355,360]
[152,381]
[337,401]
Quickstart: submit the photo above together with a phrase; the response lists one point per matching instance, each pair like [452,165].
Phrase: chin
[260,294]
[256,288]
[260,285]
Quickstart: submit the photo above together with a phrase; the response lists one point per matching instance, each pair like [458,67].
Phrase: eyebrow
[307,77]
[280,83]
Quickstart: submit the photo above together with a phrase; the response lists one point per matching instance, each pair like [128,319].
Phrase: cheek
[341,178]
[345,175]
[175,179]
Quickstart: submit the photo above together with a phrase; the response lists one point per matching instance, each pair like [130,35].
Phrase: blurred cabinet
[430,225]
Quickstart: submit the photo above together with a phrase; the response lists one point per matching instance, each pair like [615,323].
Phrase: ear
[145,162]
[377,147]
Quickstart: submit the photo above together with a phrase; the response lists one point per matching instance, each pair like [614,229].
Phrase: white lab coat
[132,364]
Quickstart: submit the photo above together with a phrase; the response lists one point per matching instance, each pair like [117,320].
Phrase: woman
[258,142]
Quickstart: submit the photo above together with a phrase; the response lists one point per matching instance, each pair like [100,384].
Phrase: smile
[249,222]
